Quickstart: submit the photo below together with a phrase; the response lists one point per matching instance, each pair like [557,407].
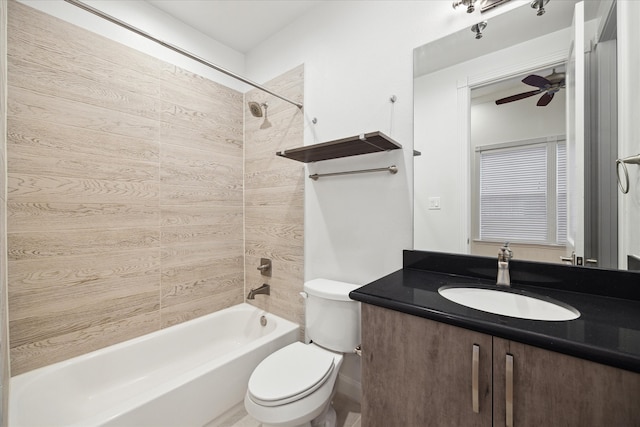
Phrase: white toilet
[294,386]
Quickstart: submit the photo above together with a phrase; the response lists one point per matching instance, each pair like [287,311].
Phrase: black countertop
[607,331]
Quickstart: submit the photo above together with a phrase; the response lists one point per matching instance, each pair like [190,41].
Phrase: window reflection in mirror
[518,185]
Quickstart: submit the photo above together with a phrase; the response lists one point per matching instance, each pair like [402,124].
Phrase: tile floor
[347,411]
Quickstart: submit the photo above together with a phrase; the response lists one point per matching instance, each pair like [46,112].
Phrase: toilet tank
[332,318]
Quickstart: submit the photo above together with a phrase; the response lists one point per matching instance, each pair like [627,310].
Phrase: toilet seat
[290,374]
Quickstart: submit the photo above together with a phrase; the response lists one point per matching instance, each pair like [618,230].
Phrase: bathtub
[185,375]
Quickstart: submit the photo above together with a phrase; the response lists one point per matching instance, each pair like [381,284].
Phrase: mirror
[452,73]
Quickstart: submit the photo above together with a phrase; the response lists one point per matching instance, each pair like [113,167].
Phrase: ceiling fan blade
[517,97]
[545,99]
[537,81]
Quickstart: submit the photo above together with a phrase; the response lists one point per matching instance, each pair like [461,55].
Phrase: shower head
[257,111]
[255,108]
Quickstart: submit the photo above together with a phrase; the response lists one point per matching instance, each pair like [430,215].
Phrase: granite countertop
[607,331]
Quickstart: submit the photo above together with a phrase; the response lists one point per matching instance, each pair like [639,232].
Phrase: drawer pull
[475,367]
[509,391]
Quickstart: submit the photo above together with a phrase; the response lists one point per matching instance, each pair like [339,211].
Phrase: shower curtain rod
[138,31]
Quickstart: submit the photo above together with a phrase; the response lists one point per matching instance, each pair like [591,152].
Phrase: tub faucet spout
[264,289]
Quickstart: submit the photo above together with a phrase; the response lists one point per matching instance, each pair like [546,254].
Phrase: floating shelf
[366,143]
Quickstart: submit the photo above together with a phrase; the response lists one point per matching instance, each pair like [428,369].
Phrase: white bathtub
[181,376]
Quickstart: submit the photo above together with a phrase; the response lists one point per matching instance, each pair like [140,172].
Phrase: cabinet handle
[509,391]
[475,368]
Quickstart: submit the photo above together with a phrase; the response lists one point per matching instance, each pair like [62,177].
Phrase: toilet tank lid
[330,289]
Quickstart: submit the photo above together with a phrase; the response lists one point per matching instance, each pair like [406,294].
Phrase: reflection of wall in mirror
[443,169]
[629,135]
[516,121]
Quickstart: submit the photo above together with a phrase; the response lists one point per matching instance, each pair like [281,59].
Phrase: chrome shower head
[255,108]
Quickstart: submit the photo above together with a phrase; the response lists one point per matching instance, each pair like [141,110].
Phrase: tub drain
[263,320]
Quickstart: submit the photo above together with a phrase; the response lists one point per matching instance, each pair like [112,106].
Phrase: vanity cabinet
[418,372]
[554,389]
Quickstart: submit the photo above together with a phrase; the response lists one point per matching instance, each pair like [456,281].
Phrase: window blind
[513,200]
[561,191]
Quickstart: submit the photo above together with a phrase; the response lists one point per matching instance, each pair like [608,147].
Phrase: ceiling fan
[548,86]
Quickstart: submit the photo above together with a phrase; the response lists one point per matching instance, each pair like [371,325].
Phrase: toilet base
[327,418]
[271,425]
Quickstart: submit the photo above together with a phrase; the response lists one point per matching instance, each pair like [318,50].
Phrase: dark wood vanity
[427,361]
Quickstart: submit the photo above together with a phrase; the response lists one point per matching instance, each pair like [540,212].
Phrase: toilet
[293,386]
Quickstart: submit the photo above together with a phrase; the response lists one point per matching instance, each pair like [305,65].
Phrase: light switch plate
[434,203]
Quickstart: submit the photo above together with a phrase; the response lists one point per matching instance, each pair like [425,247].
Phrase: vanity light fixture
[539,4]
[469,3]
[477,28]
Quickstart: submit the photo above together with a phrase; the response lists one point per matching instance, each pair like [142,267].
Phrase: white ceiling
[239,24]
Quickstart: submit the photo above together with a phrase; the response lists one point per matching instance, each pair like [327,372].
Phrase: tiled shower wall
[4,341]
[274,197]
[125,193]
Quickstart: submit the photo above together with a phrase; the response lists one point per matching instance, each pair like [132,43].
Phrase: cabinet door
[418,373]
[553,389]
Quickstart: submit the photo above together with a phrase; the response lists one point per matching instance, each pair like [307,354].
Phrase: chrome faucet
[264,289]
[504,255]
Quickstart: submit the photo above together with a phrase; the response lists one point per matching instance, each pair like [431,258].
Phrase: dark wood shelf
[367,143]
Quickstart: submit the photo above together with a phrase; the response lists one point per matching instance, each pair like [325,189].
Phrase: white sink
[508,303]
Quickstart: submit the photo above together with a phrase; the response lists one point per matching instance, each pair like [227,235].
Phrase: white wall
[517,121]
[155,22]
[356,55]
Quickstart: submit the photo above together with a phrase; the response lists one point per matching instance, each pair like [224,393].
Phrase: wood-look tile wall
[4,336]
[125,192]
[274,198]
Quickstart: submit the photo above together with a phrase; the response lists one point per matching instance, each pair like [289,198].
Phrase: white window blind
[513,199]
[522,192]
[561,191]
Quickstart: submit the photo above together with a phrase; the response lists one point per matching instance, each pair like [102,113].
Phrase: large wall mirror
[537,168]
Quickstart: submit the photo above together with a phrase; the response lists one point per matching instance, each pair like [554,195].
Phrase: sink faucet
[264,289]
[504,255]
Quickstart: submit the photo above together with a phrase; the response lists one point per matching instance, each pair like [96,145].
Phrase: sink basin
[509,303]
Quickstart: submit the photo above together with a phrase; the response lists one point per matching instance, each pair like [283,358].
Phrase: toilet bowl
[294,386]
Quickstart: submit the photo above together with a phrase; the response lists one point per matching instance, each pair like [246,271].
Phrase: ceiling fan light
[548,86]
